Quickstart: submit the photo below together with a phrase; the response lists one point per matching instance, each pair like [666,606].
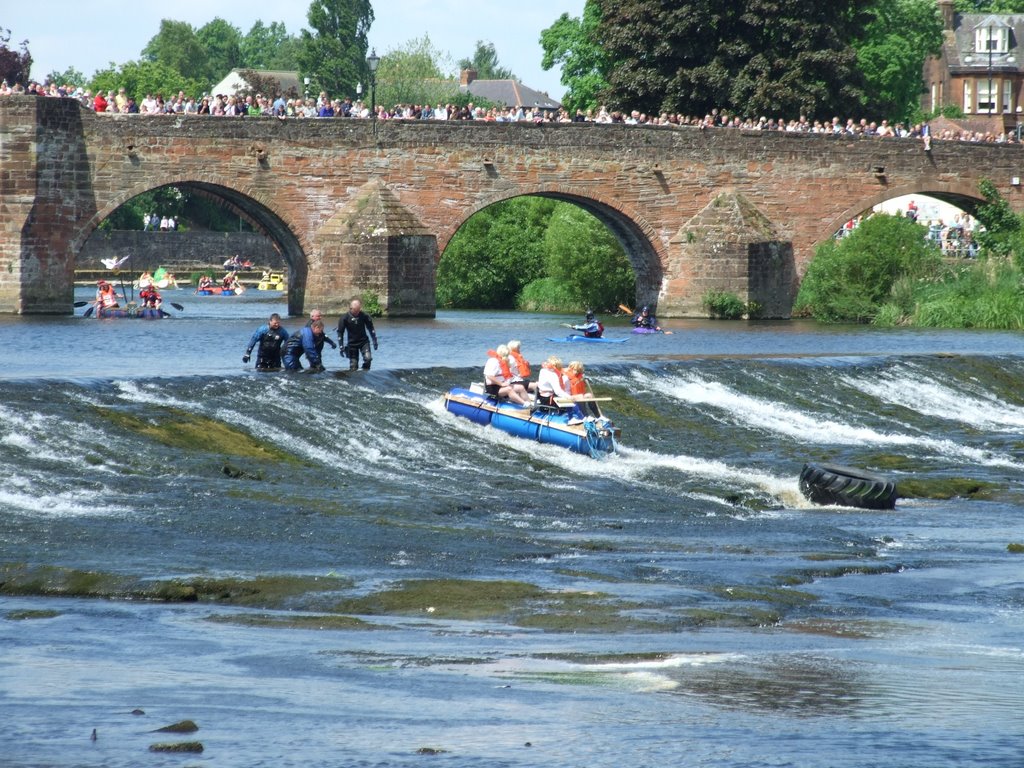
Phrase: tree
[14,67]
[751,56]
[221,43]
[485,63]
[269,47]
[177,47]
[69,76]
[892,51]
[585,257]
[141,77]
[573,43]
[416,74]
[990,6]
[334,56]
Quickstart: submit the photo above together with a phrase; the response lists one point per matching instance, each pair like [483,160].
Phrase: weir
[356,207]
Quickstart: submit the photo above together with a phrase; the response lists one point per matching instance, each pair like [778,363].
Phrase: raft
[215,291]
[131,312]
[595,437]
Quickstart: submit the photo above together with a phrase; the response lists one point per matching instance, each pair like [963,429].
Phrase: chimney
[466,77]
[947,10]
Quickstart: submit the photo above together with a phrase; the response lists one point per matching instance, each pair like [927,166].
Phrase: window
[968,98]
[994,39]
[986,97]
[1007,96]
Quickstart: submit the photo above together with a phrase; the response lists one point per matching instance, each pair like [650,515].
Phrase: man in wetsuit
[268,339]
[360,331]
[304,342]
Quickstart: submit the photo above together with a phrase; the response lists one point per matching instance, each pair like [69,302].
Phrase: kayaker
[644,319]
[205,283]
[359,327]
[498,376]
[268,339]
[592,328]
[303,342]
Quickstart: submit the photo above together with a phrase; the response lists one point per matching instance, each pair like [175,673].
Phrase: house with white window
[980,68]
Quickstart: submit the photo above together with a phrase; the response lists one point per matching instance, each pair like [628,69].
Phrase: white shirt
[550,383]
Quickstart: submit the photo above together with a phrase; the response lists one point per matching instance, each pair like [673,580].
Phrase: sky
[90,34]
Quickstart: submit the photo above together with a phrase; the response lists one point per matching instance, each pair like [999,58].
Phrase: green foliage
[192,211]
[334,53]
[371,304]
[990,6]
[537,254]
[221,42]
[177,48]
[891,54]
[494,255]
[849,280]
[752,56]
[585,257]
[141,77]
[573,43]
[14,66]
[985,294]
[548,294]
[1002,230]
[724,305]
[416,74]
[69,76]
[269,47]
[485,62]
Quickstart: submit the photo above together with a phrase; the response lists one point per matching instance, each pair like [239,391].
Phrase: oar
[572,401]
[82,303]
[89,311]
[176,305]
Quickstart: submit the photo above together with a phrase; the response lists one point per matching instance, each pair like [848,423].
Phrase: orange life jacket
[107,296]
[505,370]
[577,384]
[521,365]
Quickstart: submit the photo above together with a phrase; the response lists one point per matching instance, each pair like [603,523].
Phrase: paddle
[581,399]
[82,303]
[176,305]
[89,311]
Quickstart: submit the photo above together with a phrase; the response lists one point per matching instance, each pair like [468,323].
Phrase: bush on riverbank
[879,263]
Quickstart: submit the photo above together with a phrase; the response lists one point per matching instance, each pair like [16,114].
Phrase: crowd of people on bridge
[323,106]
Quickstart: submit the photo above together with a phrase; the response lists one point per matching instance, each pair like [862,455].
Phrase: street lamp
[372,62]
[305,80]
[991,98]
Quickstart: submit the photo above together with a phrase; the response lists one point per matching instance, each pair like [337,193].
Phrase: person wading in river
[359,327]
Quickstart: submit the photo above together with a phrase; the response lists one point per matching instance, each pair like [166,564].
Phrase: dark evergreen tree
[777,57]
[485,62]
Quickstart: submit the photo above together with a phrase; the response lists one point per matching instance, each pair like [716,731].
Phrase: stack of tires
[847,487]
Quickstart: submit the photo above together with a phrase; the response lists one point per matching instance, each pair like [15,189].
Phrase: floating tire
[847,487]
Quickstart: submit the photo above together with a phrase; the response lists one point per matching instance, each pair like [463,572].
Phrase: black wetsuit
[360,332]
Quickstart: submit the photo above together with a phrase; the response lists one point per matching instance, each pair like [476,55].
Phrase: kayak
[594,437]
[646,330]
[574,337]
[215,291]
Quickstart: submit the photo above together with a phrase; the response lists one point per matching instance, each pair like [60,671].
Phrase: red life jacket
[521,365]
[505,370]
[577,384]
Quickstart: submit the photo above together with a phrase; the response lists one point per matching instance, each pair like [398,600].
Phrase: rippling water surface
[496,602]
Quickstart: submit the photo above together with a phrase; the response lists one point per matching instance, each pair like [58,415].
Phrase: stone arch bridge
[362,206]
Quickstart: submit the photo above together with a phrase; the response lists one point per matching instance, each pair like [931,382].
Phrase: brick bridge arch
[637,237]
[366,206]
[243,202]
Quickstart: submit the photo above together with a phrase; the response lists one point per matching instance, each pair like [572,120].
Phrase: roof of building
[959,48]
[511,93]
[234,82]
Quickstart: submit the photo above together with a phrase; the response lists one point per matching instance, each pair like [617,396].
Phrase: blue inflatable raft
[595,436]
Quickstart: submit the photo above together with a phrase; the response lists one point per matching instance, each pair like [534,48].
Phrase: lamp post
[305,81]
[991,98]
[372,62]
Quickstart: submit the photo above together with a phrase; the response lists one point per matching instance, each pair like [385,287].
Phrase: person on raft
[360,331]
[592,328]
[304,342]
[106,298]
[553,385]
[267,339]
[498,378]
[520,368]
[150,297]
[644,319]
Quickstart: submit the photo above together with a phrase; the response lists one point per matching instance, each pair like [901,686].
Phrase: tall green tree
[221,42]
[891,54]
[141,77]
[990,6]
[334,53]
[573,44]
[177,47]
[779,57]
[485,61]
[15,67]
[269,47]
[418,73]
[69,76]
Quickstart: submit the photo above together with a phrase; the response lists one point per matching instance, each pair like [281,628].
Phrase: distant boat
[576,337]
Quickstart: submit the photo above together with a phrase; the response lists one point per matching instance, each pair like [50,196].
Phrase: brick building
[980,67]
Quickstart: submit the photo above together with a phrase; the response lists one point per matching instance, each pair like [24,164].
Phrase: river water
[378,583]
